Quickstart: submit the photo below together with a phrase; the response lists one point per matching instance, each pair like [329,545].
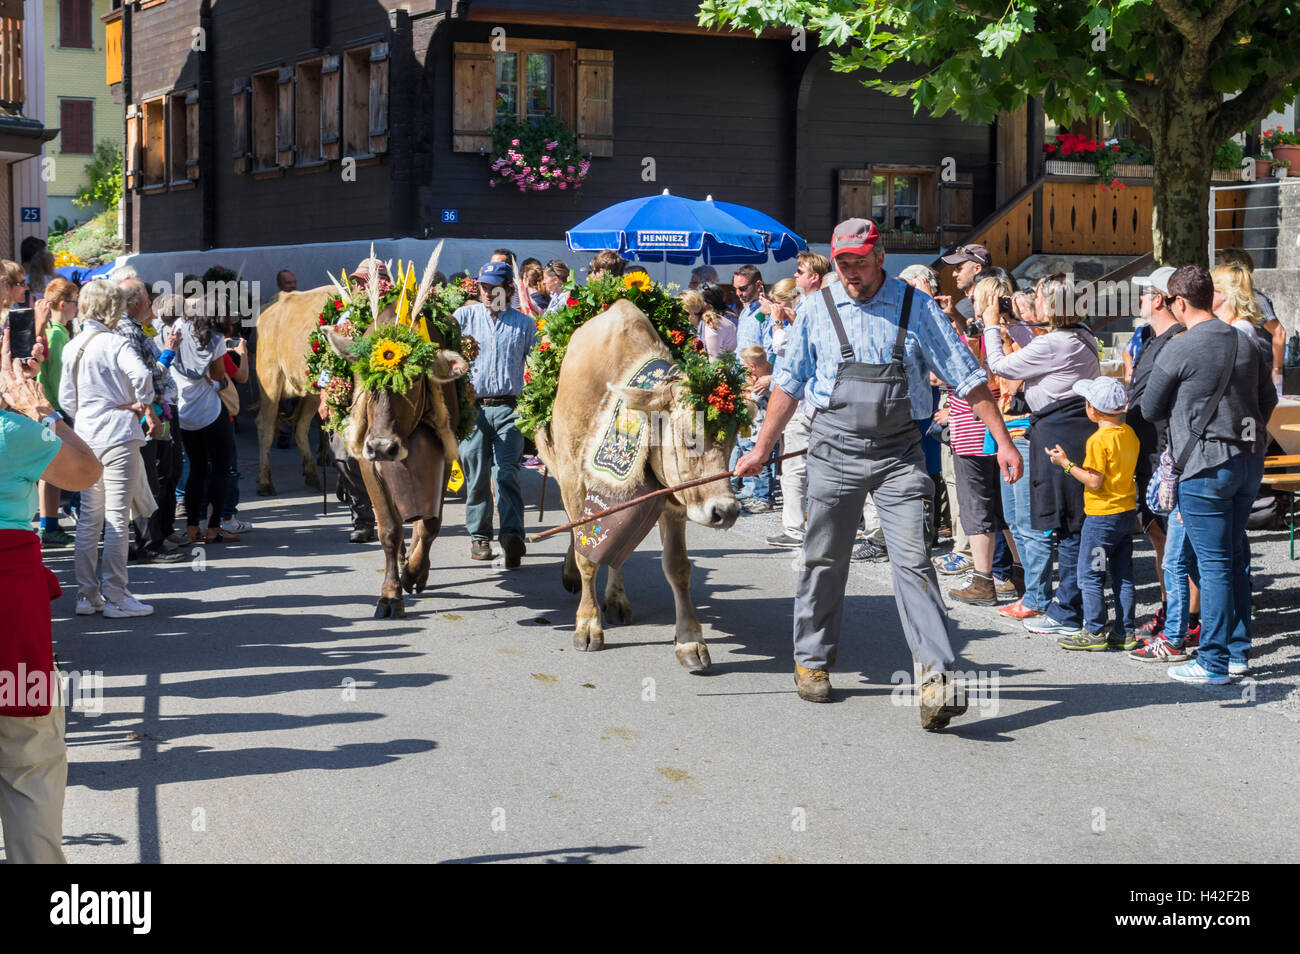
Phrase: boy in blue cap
[504,336]
[1110,513]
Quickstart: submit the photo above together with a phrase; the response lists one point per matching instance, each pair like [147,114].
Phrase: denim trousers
[1215,503]
[1179,564]
[758,487]
[1066,607]
[1106,547]
[1035,546]
[496,439]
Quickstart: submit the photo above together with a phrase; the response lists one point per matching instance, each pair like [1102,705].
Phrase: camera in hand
[1004,307]
[974,328]
[22,332]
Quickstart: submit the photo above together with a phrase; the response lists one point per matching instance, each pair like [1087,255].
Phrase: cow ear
[448,366]
[644,399]
[343,346]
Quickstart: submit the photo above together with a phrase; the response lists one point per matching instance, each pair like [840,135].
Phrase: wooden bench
[1277,476]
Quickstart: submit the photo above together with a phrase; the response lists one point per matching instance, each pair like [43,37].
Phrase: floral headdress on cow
[395,354]
[715,387]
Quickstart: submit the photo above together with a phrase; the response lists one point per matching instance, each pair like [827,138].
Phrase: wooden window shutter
[192,135]
[379,98]
[242,140]
[595,126]
[330,107]
[474,92]
[284,118]
[133,139]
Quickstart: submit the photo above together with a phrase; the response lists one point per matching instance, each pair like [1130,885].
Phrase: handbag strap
[1202,423]
[76,363]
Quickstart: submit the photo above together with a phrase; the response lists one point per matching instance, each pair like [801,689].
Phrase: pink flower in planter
[514,142]
[552,144]
[570,170]
[563,185]
[492,183]
[526,169]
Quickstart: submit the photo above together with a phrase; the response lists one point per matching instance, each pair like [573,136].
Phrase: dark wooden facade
[749,120]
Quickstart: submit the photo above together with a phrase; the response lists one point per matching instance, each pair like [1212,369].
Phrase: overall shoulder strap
[846,349]
[901,340]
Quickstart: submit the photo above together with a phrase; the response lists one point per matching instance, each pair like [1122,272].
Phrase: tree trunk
[1184,163]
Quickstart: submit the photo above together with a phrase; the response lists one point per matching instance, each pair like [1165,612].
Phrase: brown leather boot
[980,592]
[813,685]
[941,699]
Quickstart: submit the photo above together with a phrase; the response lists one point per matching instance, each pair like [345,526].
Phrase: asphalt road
[263,715]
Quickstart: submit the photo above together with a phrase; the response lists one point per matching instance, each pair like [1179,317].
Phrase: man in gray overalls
[861,353]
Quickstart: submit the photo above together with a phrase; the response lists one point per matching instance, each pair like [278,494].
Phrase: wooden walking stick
[662,492]
[541,504]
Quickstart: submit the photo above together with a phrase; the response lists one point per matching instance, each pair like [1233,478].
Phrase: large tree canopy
[1193,72]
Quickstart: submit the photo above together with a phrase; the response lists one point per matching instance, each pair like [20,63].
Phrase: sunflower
[387,355]
[638,280]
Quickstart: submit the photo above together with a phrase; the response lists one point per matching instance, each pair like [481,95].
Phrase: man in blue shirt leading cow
[504,336]
[860,352]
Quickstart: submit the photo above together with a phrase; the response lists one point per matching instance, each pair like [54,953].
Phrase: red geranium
[571,301]
[338,303]
[528,377]
[315,347]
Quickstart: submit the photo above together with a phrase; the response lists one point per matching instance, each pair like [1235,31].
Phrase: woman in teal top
[54,316]
[26,449]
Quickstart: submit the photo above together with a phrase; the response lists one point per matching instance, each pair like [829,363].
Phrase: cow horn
[372,283]
[426,280]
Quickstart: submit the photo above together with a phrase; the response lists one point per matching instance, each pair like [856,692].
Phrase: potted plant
[536,156]
[1071,155]
[1227,160]
[1282,168]
[1283,145]
[1263,166]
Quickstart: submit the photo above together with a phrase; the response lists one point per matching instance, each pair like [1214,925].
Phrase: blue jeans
[1035,546]
[1107,544]
[759,487]
[1179,563]
[1215,504]
[1067,606]
[494,438]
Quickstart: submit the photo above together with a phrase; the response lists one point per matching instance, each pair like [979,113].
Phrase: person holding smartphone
[54,314]
[35,444]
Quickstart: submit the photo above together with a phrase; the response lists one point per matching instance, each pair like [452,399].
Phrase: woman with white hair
[108,392]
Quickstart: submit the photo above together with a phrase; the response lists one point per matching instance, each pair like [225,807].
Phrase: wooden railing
[1065,216]
[11,63]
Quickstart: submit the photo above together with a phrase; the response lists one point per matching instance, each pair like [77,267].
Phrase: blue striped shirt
[812,355]
[503,343]
[751,331]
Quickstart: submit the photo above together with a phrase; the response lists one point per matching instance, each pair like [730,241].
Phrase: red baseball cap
[854,236]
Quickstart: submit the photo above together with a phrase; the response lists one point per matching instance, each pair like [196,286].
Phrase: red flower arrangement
[1068,145]
[723,399]
[677,337]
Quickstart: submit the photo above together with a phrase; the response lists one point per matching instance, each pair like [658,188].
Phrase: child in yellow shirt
[1110,508]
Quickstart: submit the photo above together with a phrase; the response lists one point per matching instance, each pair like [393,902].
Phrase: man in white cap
[1153,438]
[861,353]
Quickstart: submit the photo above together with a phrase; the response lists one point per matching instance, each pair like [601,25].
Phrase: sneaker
[758,506]
[1088,642]
[953,564]
[86,608]
[1152,627]
[56,537]
[1018,610]
[126,608]
[1194,672]
[1046,626]
[1238,668]
[813,685]
[480,550]
[1193,640]
[178,538]
[235,525]
[981,591]
[784,539]
[868,552]
[1125,640]
[1160,650]
[532,463]
[941,699]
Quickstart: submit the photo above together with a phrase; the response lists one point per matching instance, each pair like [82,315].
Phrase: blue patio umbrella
[669,228]
[782,242]
[100,271]
[73,273]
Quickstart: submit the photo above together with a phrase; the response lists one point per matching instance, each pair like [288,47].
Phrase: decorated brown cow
[623,424]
